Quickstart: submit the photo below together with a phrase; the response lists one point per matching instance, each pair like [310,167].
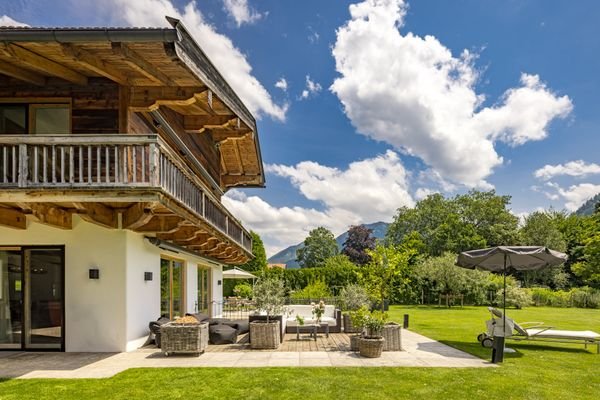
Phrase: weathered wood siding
[95,107]
[199,144]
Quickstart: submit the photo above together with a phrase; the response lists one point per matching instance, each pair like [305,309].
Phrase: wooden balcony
[138,176]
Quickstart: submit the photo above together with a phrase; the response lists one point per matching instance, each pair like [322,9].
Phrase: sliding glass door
[32,298]
[204,290]
[171,288]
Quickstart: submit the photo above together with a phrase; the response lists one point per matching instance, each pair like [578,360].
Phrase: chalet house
[116,146]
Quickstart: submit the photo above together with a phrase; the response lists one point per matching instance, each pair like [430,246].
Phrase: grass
[534,372]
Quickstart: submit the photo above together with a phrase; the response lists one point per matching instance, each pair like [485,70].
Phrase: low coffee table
[310,328]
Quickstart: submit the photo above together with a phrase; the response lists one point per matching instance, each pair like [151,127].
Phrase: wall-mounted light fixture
[94,273]
[219,282]
[147,276]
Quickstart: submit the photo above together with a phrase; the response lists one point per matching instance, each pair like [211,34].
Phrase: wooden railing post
[154,168]
[23,165]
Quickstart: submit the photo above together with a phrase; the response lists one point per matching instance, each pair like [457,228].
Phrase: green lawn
[534,372]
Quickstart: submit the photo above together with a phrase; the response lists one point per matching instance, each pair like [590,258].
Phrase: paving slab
[418,351]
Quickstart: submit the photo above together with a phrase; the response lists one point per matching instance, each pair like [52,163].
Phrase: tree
[588,269]
[465,222]
[357,243]
[318,246]
[259,262]
[541,228]
[388,267]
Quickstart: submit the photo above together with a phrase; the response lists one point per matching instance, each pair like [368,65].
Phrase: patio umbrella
[237,273]
[507,258]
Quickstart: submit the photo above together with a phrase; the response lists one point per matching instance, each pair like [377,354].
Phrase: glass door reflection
[43,298]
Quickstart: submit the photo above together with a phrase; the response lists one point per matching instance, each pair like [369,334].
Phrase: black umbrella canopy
[504,258]
[519,258]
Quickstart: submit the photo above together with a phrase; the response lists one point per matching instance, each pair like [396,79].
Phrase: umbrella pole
[504,296]
[498,352]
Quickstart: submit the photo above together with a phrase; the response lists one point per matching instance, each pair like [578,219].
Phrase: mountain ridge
[587,208]
[287,256]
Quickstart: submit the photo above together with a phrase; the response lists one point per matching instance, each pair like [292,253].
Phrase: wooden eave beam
[49,215]
[99,214]
[95,64]
[161,224]
[42,64]
[139,64]
[135,216]
[232,180]
[150,98]
[222,134]
[199,123]
[184,233]
[13,218]
[22,74]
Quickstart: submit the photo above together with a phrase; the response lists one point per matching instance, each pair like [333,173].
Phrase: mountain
[588,207]
[288,256]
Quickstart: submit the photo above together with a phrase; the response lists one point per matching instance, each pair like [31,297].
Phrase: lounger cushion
[559,334]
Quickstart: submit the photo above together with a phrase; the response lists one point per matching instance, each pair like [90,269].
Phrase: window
[49,119]
[39,119]
[171,288]
[204,290]
[13,119]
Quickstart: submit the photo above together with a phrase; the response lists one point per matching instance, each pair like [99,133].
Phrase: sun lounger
[536,331]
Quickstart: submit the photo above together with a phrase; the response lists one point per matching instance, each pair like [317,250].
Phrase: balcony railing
[108,162]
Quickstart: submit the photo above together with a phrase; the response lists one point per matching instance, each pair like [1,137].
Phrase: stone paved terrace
[419,351]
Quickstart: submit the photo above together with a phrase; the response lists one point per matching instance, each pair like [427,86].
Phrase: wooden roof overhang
[160,67]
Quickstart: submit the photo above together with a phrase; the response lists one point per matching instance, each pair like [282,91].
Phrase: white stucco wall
[111,313]
[217,290]
[143,297]
[94,311]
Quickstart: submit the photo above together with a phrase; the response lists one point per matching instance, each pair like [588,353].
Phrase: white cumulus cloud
[412,93]
[228,59]
[282,84]
[367,191]
[578,168]
[312,88]
[574,195]
[241,12]
[5,20]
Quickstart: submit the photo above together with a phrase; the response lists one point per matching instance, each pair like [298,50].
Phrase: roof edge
[75,35]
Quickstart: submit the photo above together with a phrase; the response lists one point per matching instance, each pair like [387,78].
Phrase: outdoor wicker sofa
[331,316]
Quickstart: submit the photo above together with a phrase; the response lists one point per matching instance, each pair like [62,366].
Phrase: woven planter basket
[354,342]
[264,335]
[370,346]
[392,333]
[183,338]
[348,327]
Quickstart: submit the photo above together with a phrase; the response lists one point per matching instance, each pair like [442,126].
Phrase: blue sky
[366,106]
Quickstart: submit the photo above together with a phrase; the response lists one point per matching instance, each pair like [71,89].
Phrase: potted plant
[353,297]
[318,309]
[371,344]
[269,298]
[358,318]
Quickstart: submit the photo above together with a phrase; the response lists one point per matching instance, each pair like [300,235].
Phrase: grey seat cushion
[222,334]
[243,326]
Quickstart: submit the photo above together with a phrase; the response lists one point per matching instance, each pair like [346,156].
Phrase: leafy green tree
[541,228]
[318,246]
[588,269]
[469,221]
[388,268]
[259,262]
[357,243]
[576,231]
[489,215]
